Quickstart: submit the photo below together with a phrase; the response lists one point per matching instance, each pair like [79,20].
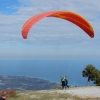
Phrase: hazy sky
[51,38]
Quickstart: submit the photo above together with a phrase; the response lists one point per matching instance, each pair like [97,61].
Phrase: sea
[51,70]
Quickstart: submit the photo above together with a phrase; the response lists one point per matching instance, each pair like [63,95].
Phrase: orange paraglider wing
[69,16]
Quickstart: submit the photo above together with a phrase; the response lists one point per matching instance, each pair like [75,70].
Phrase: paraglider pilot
[64,82]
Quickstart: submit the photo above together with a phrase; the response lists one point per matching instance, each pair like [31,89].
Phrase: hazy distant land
[25,83]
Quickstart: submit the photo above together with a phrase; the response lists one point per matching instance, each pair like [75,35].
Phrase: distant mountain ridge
[25,83]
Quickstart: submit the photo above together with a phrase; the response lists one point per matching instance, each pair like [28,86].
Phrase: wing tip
[92,35]
[25,37]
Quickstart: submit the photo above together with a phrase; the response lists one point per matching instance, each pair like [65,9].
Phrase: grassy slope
[46,95]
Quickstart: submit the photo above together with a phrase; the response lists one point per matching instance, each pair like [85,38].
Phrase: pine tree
[91,72]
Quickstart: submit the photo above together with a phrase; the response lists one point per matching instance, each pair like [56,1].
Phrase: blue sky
[51,38]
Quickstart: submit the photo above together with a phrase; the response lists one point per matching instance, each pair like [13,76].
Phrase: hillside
[25,83]
[73,93]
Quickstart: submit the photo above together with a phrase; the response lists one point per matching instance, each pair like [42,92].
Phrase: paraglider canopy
[66,15]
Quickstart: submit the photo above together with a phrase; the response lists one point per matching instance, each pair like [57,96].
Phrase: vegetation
[46,95]
[11,93]
[92,73]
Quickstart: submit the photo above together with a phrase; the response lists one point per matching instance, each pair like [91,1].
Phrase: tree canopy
[92,73]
